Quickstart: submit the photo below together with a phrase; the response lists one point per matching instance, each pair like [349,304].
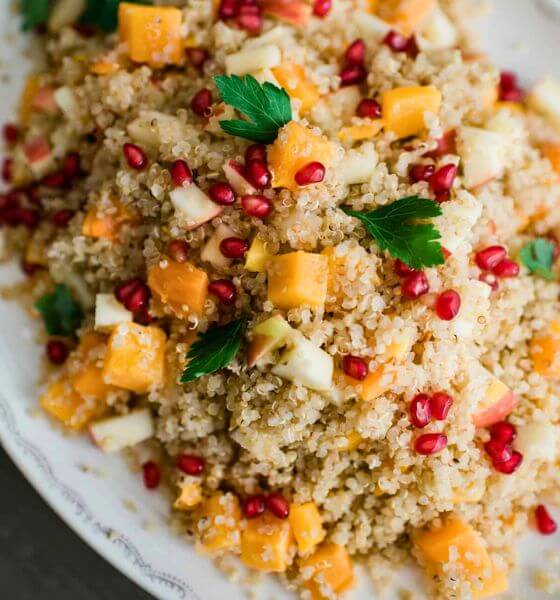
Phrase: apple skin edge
[497,412]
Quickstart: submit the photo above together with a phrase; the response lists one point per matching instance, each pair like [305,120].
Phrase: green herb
[35,12]
[214,350]
[61,313]
[267,107]
[395,229]
[538,257]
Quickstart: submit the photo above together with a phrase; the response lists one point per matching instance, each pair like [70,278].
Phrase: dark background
[41,558]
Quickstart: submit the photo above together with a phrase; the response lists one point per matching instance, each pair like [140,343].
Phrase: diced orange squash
[291,77]
[350,442]
[490,97]
[376,383]
[30,89]
[295,147]
[515,107]
[404,109]
[498,402]
[89,383]
[105,67]
[298,279]
[551,151]
[494,584]
[99,223]
[406,15]
[328,571]
[221,515]
[88,342]
[357,133]
[257,256]
[372,6]
[469,495]
[545,351]
[180,285]
[190,495]
[265,544]
[307,526]
[135,357]
[151,34]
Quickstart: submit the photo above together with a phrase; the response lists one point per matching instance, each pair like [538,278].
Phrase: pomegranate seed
[57,352]
[256,152]
[514,95]
[448,304]
[430,443]
[197,57]
[442,180]
[369,109]
[420,410]
[503,432]
[445,145]
[151,474]
[506,268]
[355,367]
[35,195]
[62,217]
[135,156]
[277,505]
[7,167]
[498,452]
[508,80]
[352,74]
[488,258]
[415,285]
[440,404]
[545,523]
[85,31]
[181,173]
[234,247]
[442,196]
[221,193]
[28,217]
[71,167]
[178,250]
[402,269]
[421,172]
[258,174]
[201,103]
[355,53]
[396,41]
[190,464]
[313,172]
[29,268]
[250,19]
[321,7]
[11,133]
[412,48]
[227,9]
[144,316]
[124,290]
[55,180]
[253,506]
[224,290]
[133,294]
[490,279]
[509,88]
[508,467]
[255,205]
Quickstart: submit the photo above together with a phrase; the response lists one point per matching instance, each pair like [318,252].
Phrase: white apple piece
[302,362]
[153,128]
[275,36]
[66,100]
[38,155]
[545,99]
[267,336]
[358,165]
[253,59]
[116,433]
[211,252]
[109,312]
[235,175]
[65,12]
[439,31]
[266,75]
[193,207]
[538,441]
[483,155]
[370,26]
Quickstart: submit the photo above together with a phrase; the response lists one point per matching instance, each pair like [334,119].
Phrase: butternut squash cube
[152,34]
[298,279]
[30,89]
[358,133]
[545,351]
[307,526]
[180,285]
[328,571]
[375,384]
[190,495]
[291,77]
[265,544]
[257,256]
[551,151]
[105,67]
[135,357]
[494,584]
[295,147]
[89,383]
[406,15]
[219,525]
[404,109]
[101,223]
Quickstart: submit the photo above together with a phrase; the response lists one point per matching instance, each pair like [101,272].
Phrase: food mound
[302,256]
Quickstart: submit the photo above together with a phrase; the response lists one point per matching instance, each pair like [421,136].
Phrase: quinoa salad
[298,261]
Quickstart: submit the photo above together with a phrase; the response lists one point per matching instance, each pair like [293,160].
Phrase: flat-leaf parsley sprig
[61,314]
[538,257]
[214,349]
[267,107]
[395,228]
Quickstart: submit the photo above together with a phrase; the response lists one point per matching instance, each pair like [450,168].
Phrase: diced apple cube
[266,337]
[359,165]
[265,543]
[369,25]
[153,128]
[253,59]
[497,403]
[38,154]
[109,312]
[211,252]
[538,441]
[235,174]
[295,12]
[257,256]
[545,98]
[439,30]
[482,155]
[193,207]
[44,100]
[66,100]
[116,433]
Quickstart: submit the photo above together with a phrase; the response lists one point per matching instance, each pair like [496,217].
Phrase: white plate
[520,35]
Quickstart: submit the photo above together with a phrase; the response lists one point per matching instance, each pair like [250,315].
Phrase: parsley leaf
[214,350]
[35,12]
[104,13]
[538,257]
[394,229]
[267,107]
[61,314]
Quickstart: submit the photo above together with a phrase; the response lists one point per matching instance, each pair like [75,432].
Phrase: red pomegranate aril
[71,165]
[441,403]
[222,193]
[197,57]
[190,464]
[227,9]
[430,443]
[402,269]
[256,205]
[503,432]
[490,279]
[29,268]
[498,452]
[445,145]
[488,258]
[28,217]
[506,268]
[124,290]
[396,42]
[321,7]
[224,290]
[201,103]
[508,80]
[178,250]
[11,133]
[355,53]
[256,152]
[355,367]
[352,74]
[443,196]
[57,352]
[138,299]
[7,167]
[258,174]
[442,180]
[421,172]
[181,173]
[277,505]
[62,217]
[415,285]
[55,180]
[448,304]
[545,523]
[514,95]
[144,316]
[313,172]
[511,465]
[249,18]
[420,410]
[412,48]
[135,156]
[253,506]
[234,247]
[151,474]
[368,108]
